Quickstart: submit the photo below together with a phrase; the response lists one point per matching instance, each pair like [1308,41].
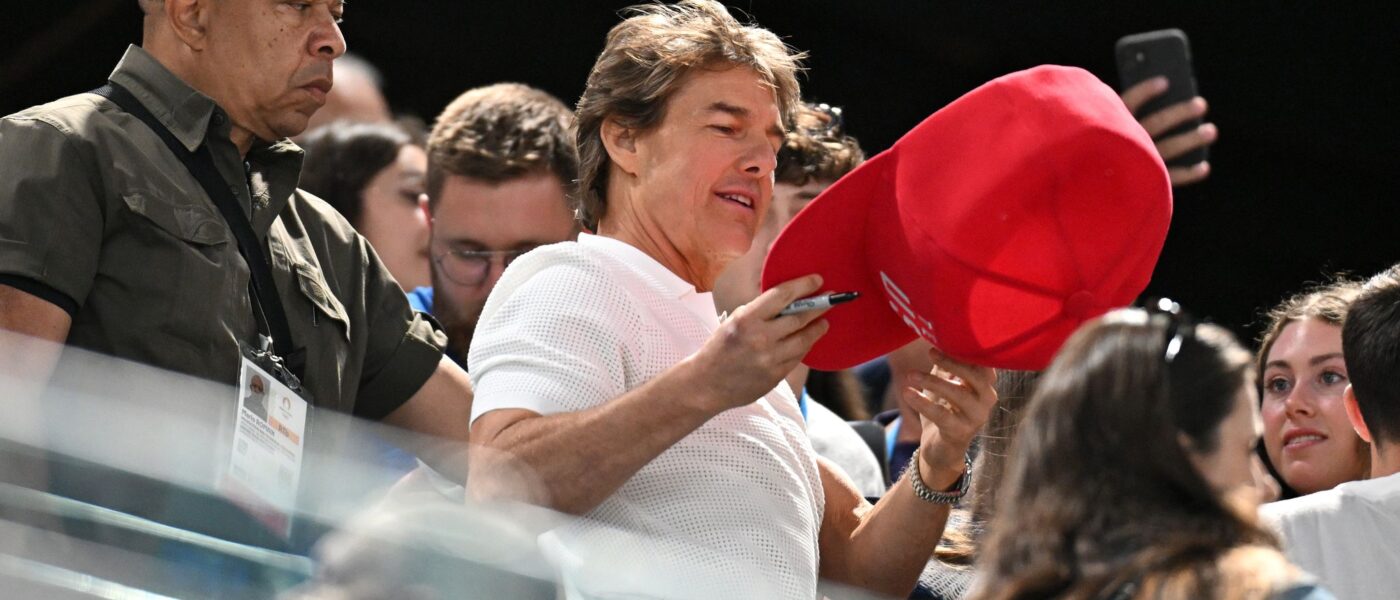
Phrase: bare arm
[884,548]
[42,328]
[441,410]
[572,462]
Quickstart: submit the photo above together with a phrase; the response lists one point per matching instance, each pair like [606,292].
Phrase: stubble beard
[458,320]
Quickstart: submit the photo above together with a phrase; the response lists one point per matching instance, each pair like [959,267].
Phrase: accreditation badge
[269,438]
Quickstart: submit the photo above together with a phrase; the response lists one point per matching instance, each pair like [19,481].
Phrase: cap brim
[829,238]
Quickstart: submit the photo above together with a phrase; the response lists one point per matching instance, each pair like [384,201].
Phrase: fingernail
[1198,105]
[1208,131]
[1159,84]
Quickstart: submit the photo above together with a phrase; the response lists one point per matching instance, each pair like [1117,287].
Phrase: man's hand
[953,402]
[1168,118]
[573,461]
[755,349]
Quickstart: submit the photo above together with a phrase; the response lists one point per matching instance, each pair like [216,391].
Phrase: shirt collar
[702,304]
[276,172]
[182,109]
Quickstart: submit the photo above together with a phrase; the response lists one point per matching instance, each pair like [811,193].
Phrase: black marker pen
[818,303]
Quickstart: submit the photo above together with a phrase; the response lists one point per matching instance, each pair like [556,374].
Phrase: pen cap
[993,229]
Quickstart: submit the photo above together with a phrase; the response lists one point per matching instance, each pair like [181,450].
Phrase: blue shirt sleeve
[421,299]
[1304,592]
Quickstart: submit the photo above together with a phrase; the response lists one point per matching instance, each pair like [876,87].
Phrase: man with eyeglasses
[501,161]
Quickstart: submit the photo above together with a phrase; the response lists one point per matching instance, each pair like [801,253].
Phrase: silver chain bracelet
[949,497]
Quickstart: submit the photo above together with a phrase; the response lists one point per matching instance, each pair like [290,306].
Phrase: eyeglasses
[1180,325]
[471,267]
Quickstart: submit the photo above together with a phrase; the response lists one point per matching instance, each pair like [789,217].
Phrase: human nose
[494,268]
[327,40]
[760,159]
[1299,401]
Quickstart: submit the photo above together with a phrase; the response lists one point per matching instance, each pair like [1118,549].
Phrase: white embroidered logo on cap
[899,302]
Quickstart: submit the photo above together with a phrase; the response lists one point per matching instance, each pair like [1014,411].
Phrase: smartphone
[1167,53]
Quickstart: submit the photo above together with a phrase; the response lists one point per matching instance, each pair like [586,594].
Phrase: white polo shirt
[732,510]
[1346,536]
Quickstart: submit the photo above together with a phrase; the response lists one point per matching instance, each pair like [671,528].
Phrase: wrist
[697,394]
[940,472]
[932,490]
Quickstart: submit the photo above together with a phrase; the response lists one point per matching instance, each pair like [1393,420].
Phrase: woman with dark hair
[1308,441]
[374,174]
[1133,474]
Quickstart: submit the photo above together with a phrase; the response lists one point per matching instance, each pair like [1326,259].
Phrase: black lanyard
[271,317]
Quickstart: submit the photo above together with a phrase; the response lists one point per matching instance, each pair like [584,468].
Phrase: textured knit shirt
[1346,536]
[732,510]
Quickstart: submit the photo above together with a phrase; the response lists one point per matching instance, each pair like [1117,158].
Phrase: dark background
[1305,172]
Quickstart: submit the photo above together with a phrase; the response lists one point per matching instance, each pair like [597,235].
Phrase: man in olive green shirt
[108,243]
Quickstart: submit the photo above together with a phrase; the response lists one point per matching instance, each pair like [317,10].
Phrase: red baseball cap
[993,229]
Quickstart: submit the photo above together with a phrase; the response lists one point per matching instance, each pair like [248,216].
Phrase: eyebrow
[721,106]
[475,245]
[1321,358]
[806,195]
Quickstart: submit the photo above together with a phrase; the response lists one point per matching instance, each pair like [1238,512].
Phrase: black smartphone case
[1167,52]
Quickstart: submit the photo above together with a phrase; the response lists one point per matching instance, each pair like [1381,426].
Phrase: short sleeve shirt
[96,211]
[1346,536]
[733,509]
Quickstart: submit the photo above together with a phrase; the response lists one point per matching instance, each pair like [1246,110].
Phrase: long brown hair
[962,537]
[1100,492]
[1327,302]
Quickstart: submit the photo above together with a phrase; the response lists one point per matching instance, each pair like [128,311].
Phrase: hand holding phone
[1160,89]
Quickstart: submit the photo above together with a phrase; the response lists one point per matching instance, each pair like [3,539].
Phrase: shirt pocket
[190,223]
[170,273]
[312,284]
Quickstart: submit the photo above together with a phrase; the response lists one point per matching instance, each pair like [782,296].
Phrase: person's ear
[1354,415]
[189,19]
[621,143]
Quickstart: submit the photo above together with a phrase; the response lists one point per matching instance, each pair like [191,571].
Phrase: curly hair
[817,148]
[646,59]
[501,132]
